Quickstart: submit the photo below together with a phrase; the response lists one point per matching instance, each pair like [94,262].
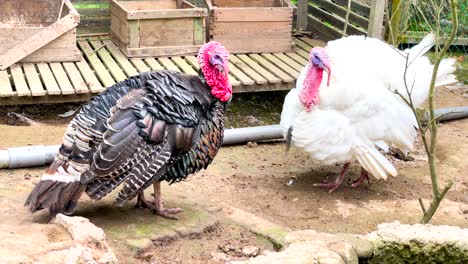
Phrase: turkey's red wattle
[309,95]
[217,80]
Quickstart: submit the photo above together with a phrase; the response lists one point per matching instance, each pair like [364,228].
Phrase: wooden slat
[304,46]
[168,64]
[357,7]
[34,82]
[290,62]
[97,65]
[244,79]
[123,62]
[275,70]
[341,11]
[155,66]
[48,79]
[74,75]
[300,52]
[283,66]
[269,76]
[296,57]
[5,87]
[247,70]
[314,42]
[184,65]
[325,30]
[62,79]
[91,80]
[18,79]
[140,65]
[110,63]
[335,21]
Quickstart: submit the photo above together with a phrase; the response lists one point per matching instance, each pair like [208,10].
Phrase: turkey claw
[330,186]
[168,213]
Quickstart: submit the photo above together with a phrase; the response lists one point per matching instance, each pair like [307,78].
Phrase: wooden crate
[252,26]
[37,31]
[157,28]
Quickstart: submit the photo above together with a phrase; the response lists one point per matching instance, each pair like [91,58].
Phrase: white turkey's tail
[446,75]
[291,108]
[422,48]
[374,162]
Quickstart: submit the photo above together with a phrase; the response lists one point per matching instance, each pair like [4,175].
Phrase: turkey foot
[364,176]
[157,205]
[332,186]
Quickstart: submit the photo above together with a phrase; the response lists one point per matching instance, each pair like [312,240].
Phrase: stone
[81,229]
[139,245]
[327,241]
[219,256]
[400,243]
[363,248]
[297,253]
[250,251]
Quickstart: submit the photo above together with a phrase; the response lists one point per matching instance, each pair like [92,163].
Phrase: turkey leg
[332,186]
[364,176]
[157,205]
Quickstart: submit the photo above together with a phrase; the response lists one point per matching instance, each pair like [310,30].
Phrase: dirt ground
[254,179]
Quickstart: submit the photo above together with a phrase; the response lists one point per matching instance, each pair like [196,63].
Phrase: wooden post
[398,17]
[302,11]
[180,4]
[376,17]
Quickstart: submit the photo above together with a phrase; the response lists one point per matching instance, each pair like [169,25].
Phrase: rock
[250,251]
[81,229]
[252,120]
[139,245]
[399,243]
[298,252]
[251,144]
[363,248]
[219,256]
[326,241]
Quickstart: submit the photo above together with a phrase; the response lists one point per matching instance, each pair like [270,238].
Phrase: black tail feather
[58,197]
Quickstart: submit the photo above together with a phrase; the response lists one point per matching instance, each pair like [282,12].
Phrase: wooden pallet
[104,65]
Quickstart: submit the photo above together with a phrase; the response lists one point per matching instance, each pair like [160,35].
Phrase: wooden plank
[91,80]
[5,87]
[184,65]
[314,42]
[335,21]
[376,19]
[134,34]
[247,70]
[123,62]
[168,64]
[97,65]
[290,62]
[107,59]
[283,66]
[167,13]
[48,79]
[275,70]
[74,75]
[192,60]
[325,31]
[163,51]
[256,45]
[33,80]
[37,41]
[154,64]
[18,79]
[341,11]
[198,32]
[140,65]
[62,79]
[257,67]
[253,14]
[251,30]
[302,14]
[304,46]
[357,7]
[236,72]
[296,57]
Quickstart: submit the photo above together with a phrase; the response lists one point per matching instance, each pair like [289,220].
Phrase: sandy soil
[255,179]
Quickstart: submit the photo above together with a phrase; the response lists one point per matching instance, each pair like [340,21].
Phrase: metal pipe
[40,155]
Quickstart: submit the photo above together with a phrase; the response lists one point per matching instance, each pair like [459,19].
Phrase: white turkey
[345,106]
[155,126]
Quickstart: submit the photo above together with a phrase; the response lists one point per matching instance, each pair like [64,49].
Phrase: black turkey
[155,126]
